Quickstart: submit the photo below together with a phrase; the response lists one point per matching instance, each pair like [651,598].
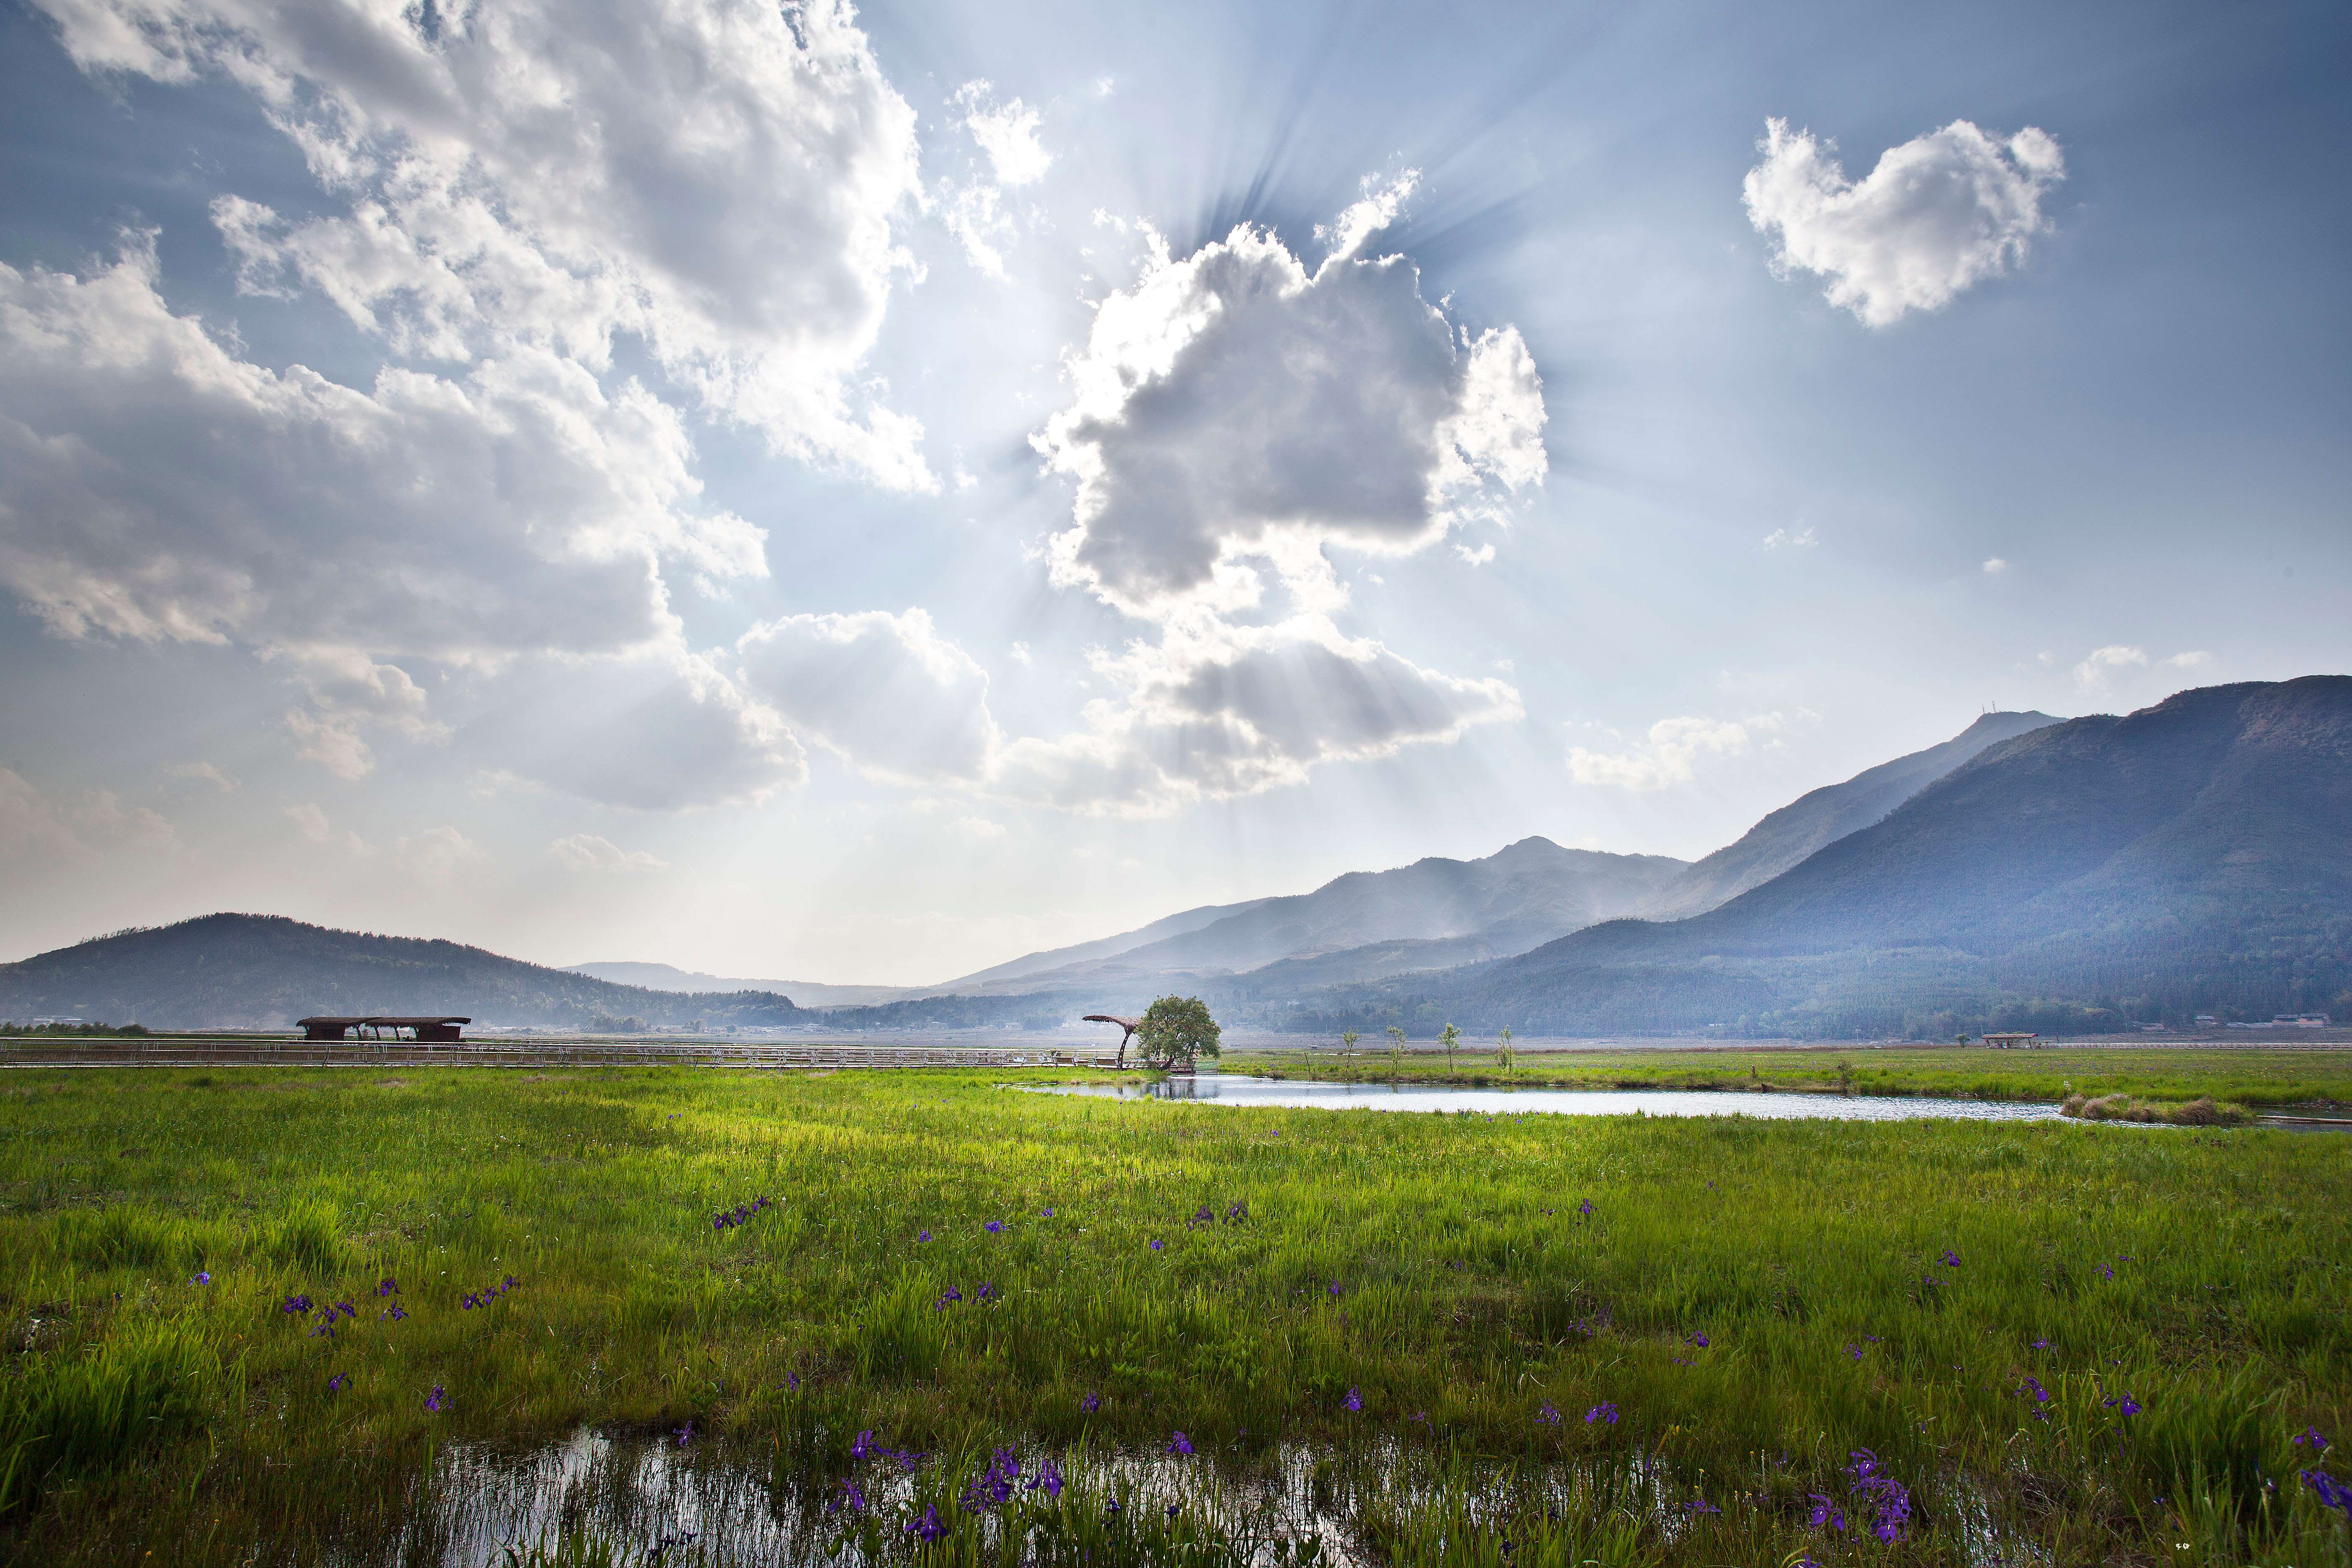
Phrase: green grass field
[2270,1079]
[2059,1343]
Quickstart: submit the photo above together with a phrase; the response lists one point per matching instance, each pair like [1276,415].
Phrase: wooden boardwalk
[514,1053]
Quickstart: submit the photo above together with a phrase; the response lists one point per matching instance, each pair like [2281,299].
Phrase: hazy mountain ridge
[233,970]
[1787,838]
[2197,854]
[807,994]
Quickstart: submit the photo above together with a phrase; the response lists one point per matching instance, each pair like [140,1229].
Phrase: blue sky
[859,496]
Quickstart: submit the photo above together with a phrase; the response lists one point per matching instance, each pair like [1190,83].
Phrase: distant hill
[1813,822]
[265,971]
[809,993]
[2195,856]
[1523,894]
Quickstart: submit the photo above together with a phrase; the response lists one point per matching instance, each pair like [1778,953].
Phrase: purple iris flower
[1549,1415]
[1112,1509]
[1951,1260]
[1826,1514]
[1698,1340]
[385,1286]
[1332,1289]
[1585,1208]
[851,1498]
[395,1315]
[685,1433]
[296,1304]
[986,1292]
[923,1235]
[993,1228]
[1049,1479]
[1854,1351]
[792,1380]
[1354,1402]
[2309,1437]
[203,1278]
[1887,1496]
[1604,1411]
[2041,1344]
[1700,1505]
[1156,1245]
[2332,1493]
[1090,1404]
[1179,1444]
[1049,1214]
[862,1446]
[2106,1272]
[2123,1405]
[928,1528]
[434,1401]
[336,1384]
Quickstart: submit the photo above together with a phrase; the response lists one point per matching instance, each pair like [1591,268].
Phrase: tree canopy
[1177,1029]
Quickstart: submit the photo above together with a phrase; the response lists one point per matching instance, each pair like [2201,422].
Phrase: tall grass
[1414,1299]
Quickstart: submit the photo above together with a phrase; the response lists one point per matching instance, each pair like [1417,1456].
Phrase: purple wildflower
[863,1446]
[994,1227]
[336,1384]
[1549,1415]
[434,1401]
[1112,1510]
[203,1278]
[2123,1405]
[1604,1411]
[296,1304]
[922,1235]
[1950,1259]
[1332,1289]
[1157,1244]
[2332,1493]
[1049,1479]
[1585,1208]
[928,1528]
[1049,1214]
[792,1380]
[2041,1344]
[1854,1351]
[1179,1444]
[1826,1514]
[2309,1437]
[1172,1508]
[1353,1403]
[986,1292]
[2106,1272]
[394,1315]
[685,1433]
[851,1498]
[1887,1496]
[1698,1340]
[1090,1404]
[1700,1505]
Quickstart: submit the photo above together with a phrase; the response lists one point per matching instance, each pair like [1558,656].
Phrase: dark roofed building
[443,1030]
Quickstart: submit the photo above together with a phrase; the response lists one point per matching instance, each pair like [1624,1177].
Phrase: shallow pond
[1227,1088]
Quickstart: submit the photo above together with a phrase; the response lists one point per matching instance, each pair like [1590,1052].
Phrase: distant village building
[2300,1021]
[2012,1042]
[441,1030]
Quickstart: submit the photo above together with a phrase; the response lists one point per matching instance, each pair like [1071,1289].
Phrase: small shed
[437,1030]
[2012,1042]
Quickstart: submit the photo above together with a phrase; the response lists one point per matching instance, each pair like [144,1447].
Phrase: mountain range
[2084,873]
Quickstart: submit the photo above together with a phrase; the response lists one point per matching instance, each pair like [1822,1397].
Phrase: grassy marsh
[2093,1343]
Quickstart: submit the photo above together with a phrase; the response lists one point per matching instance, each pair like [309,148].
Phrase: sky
[858,495]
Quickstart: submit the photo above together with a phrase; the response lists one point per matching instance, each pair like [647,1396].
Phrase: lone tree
[1175,1030]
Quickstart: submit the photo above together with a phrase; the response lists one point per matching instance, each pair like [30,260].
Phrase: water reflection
[1233,1088]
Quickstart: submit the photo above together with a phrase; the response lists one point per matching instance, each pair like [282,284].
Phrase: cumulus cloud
[1235,417]
[886,691]
[666,730]
[2101,664]
[719,181]
[587,852]
[202,773]
[1232,405]
[37,828]
[1994,567]
[1670,753]
[1006,133]
[2196,658]
[975,208]
[1935,216]
[1802,538]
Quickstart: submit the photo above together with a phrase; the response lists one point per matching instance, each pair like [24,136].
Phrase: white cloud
[154,486]
[979,828]
[667,730]
[1481,556]
[1670,753]
[35,828]
[587,852]
[1006,133]
[2196,658]
[202,773]
[2100,664]
[1234,405]
[1802,538]
[886,691]
[433,856]
[719,181]
[1234,417]
[1994,567]
[1938,214]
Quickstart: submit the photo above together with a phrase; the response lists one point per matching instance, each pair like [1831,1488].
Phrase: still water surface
[1229,1088]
